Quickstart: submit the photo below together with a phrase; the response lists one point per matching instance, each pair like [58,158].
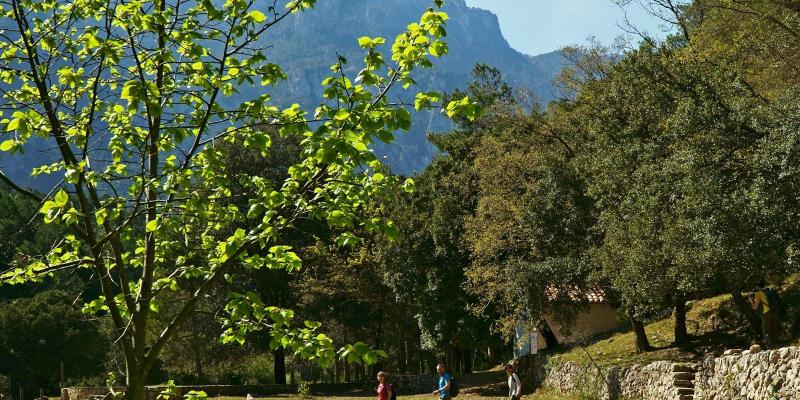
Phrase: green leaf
[438,48]
[341,115]
[100,215]
[7,145]
[155,305]
[257,16]
[152,225]
[61,198]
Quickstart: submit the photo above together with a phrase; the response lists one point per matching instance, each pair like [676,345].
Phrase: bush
[303,391]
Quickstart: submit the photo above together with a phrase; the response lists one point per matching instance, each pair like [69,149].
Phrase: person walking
[444,383]
[514,384]
[767,302]
[384,388]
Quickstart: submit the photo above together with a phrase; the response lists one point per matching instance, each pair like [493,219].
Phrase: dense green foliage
[37,334]
[131,97]
[663,178]
[669,172]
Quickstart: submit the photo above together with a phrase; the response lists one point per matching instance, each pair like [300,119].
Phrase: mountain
[306,44]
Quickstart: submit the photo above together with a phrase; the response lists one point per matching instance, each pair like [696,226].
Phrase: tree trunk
[279,365]
[454,363]
[468,361]
[402,360]
[197,349]
[134,389]
[642,344]
[747,310]
[491,354]
[681,334]
[548,335]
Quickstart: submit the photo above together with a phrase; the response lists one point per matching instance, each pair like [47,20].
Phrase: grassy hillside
[715,323]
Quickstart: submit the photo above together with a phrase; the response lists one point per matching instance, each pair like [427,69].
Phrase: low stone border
[743,375]
[152,392]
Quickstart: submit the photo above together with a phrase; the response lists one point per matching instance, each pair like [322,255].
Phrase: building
[595,316]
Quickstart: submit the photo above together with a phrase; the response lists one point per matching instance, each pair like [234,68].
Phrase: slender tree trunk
[548,335]
[642,343]
[279,365]
[491,354]
[454,363]
[681,334]
[402,361]
[198,365]
[134,389]
[197,350]
[468,361]
[747,310]
[13,388]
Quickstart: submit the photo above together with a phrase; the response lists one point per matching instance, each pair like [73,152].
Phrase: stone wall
[152,392]
[657,381]
[751,375]
[574,378]
[84,393]
[412,383]
[531,370]
[740,375]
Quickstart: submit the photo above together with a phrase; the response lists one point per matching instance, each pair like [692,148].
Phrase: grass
[486,385]
[540,395]
[703,321]
[715,324]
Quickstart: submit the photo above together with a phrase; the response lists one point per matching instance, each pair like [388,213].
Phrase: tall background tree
[131,96]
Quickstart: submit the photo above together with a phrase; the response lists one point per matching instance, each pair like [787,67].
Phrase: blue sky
[539,26]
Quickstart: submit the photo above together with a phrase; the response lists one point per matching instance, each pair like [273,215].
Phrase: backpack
[453,387]
[774,300]
[394,393]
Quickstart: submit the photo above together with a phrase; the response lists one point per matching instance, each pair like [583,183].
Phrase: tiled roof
[591,295]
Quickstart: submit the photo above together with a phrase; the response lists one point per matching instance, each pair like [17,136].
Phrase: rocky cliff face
[306,44]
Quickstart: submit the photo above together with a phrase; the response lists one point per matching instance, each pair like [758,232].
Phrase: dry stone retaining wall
[152,392]
[657,381]
[749,375]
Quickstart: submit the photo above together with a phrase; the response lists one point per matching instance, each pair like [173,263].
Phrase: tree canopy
[133,97]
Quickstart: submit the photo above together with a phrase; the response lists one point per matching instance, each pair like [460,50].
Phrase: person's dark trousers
[771,326]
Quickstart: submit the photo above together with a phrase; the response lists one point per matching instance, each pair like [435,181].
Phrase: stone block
[683,383]
[683,368]
[683,391]
[684,375]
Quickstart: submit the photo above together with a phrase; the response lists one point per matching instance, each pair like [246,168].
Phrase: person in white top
[514,384]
